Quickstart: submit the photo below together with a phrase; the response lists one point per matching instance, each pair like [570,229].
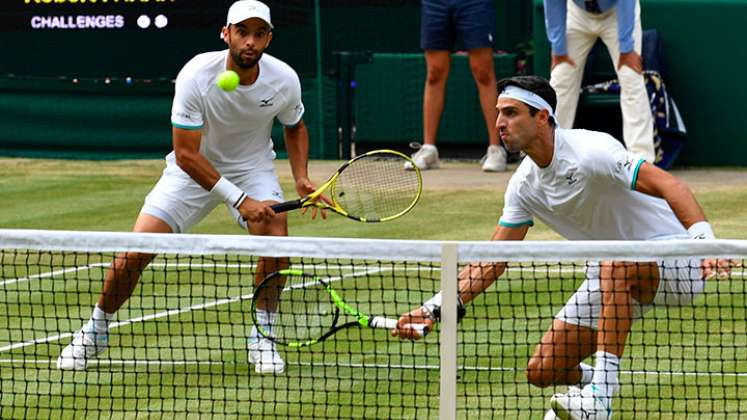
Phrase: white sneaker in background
[84,347]
[495,159]
[425,158]
[264,356]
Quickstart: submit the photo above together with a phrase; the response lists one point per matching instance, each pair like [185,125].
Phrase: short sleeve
[186,111]
[293,110]
[514,213]
[616,165]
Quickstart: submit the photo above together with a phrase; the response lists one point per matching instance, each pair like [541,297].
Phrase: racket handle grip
[391,324]
[286,206]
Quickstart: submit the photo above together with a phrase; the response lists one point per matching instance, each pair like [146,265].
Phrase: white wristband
[701,230]
[432,307]
[231,194]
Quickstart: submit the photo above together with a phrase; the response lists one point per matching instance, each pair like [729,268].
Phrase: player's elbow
[186,159]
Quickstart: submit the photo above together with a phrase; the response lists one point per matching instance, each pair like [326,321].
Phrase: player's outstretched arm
[473,280]
[659,183]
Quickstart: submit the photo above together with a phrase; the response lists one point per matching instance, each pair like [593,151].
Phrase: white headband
[529,98]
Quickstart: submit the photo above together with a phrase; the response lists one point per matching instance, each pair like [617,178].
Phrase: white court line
[51,274]
[112,362]
[184,265]
[176,312]
[511,269]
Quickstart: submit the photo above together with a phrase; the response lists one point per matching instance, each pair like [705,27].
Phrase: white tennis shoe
[84,347]
[264,356]
[495,159]
[580,405]
[550,415]
[425,158]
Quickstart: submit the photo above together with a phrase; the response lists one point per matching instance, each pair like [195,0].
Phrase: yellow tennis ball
[228,80]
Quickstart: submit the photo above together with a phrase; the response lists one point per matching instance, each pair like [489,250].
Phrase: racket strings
[303,312]
[376,188]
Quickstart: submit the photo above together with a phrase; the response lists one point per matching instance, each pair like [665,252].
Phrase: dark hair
[533,84]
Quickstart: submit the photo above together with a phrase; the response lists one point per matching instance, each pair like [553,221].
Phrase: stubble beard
[243,64]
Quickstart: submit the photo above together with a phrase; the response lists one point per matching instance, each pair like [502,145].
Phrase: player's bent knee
[539,372]
[277,226]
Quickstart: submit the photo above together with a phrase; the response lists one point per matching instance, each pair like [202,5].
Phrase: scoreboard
[109,14]
[107,38]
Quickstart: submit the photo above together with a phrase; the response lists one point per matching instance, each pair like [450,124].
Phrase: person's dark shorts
[443,22]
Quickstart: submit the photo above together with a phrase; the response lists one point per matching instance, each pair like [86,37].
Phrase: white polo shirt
[236,126]
[587,193]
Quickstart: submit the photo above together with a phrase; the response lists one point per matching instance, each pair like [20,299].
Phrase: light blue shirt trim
[635,174]
[555,18]
[187,127]
[516,225]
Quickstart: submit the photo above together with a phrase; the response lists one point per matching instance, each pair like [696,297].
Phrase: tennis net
[178,346]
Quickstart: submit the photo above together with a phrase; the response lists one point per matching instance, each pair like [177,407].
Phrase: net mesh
[178,346]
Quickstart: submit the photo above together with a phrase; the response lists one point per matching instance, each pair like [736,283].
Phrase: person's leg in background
[438,64]
[475,25]
[436,39]
[638,122]
[566,78]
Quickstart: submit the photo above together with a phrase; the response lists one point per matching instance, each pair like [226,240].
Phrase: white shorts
[182,203]
[680,281]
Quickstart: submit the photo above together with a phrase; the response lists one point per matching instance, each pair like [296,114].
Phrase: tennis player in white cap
[223,153]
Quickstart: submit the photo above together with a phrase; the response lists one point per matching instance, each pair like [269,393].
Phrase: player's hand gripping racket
[307,310]
[372,187]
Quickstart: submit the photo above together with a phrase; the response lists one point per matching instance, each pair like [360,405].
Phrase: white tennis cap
[247,9]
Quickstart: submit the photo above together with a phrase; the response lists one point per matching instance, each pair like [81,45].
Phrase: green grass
[681,362]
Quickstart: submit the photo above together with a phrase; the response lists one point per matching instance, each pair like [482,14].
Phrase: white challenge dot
[161,21]
[143,21]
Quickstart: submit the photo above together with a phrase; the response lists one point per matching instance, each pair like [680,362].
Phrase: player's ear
[224,33]
[544,116]
[269,38]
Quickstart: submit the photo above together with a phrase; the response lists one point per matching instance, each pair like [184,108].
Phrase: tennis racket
[308,310]
[372,187]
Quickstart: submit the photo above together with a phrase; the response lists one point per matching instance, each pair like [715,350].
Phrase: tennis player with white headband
[585,186]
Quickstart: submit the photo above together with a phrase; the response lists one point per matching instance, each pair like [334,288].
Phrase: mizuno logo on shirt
[571,178]
[266,102]
[627,164]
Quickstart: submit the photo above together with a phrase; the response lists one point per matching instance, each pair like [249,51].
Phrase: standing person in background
[442,23]
[573,26]
[222,154]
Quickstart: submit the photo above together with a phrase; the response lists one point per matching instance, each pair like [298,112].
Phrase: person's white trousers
[582,30]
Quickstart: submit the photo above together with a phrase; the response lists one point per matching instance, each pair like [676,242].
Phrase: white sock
[99,322]
[428,146]
[605,374]
[266,320]
[587,373]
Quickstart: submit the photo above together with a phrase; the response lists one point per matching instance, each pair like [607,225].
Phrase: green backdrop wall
[42,111]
